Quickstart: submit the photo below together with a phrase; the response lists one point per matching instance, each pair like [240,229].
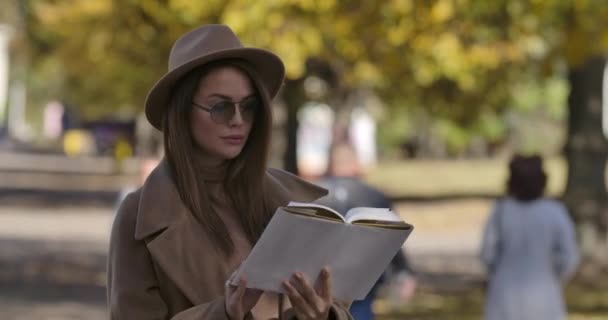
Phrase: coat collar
[159,203]
[180,247]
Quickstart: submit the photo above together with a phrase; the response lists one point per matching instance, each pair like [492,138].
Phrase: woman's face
[219,127]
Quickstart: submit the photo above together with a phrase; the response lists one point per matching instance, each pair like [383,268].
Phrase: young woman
[177,240]
[529,248]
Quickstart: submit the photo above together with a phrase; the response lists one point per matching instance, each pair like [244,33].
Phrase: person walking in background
[347,191]
[529,248]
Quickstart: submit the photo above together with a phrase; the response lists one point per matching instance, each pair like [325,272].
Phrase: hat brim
[267,66]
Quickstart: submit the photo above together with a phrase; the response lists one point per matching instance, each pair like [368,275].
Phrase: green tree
[459,60]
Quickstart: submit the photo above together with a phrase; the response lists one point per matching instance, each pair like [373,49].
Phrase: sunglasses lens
[249,107]
[222,112]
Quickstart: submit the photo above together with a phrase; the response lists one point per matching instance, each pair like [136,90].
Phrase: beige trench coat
[162,266]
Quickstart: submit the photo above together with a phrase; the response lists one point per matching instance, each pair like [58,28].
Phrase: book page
[317,209]
[372,214]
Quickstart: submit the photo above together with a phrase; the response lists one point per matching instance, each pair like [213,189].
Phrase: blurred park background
[436,95]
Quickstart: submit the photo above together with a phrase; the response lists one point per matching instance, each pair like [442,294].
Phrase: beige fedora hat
[203,45]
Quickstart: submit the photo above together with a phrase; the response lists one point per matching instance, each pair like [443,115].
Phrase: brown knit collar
[214,174]
[210,173]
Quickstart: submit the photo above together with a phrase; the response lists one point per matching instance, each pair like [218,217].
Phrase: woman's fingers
[239,299]
[301,283]
[234,297]
[240,289]
[323,285]
[308,301]
[235,293]
[306,289]
[299,303]
[230,282]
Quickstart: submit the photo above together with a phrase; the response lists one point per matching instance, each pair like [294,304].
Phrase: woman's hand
[308,302]
[239,300]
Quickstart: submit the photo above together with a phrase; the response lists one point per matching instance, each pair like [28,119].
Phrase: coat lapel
[174,239]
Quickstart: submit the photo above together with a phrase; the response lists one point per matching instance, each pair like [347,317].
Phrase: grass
[584,303]
[462,215]
[428,305]
[437,178]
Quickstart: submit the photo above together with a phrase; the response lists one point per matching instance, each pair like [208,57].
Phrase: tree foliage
[455,58]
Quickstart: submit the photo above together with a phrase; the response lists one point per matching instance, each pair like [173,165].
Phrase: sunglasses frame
[234,105]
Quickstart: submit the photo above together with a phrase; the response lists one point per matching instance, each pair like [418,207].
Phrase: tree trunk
[586,151]
[294,97]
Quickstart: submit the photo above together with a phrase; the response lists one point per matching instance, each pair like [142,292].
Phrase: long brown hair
[244,185]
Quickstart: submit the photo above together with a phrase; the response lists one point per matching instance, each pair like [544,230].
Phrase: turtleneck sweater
[214,178]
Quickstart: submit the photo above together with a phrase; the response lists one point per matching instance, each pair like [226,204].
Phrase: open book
[305,237]
[378,217]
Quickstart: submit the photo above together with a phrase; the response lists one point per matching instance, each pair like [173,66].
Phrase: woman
[529,248]
[177,240]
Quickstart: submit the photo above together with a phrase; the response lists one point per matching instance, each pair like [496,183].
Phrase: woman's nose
[237,118]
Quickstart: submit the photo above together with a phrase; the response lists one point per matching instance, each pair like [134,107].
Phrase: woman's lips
[234,140]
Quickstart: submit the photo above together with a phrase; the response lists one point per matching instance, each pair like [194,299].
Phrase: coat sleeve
[489,243]
[338,311]
[133,290]
[566,251]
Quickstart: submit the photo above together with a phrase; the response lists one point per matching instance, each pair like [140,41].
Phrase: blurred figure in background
[529,248]
[346,191]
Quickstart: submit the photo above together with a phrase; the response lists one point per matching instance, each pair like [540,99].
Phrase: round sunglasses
[223,111]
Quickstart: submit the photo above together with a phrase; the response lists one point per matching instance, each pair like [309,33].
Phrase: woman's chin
[231,153]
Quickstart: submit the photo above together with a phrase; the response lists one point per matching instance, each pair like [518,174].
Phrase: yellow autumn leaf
[402,7]
[447,50]
[275,19]
[235,20]
[326,5]
[441,11]
[467,82]
[367,73]
[399,34]
[424,73]
[604,42]
[486,56]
